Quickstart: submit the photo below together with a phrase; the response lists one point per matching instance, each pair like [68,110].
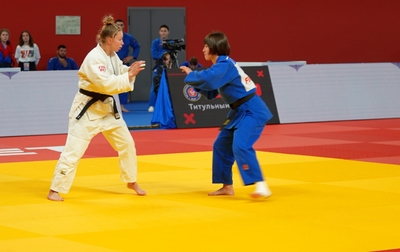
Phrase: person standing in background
[61,62]
[27,53]
[157,52]
[7,58]
[123,54]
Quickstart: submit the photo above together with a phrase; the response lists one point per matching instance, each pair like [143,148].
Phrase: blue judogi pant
[123,98]
[237,144]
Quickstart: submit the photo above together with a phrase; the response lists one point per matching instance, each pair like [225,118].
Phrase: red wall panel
[259,30]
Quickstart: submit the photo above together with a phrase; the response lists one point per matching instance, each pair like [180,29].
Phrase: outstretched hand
[135,68]
[185,69]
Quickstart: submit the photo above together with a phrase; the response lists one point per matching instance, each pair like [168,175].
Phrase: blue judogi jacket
[229,80]
[54,64]
[157,49]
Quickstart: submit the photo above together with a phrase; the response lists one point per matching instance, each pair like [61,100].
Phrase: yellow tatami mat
[319,204]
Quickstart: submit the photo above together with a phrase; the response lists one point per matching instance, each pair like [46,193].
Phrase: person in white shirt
[27,52]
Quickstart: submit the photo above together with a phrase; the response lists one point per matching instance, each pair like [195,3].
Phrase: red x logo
[260,73]
[189,118]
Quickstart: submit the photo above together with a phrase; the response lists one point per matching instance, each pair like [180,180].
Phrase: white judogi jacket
[102,74]
[108,76]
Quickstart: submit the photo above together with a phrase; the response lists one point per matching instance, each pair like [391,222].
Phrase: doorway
[144,24]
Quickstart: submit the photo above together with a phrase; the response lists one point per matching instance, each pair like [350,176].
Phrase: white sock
[263,189]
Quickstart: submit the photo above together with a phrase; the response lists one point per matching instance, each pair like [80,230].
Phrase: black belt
[241,101]
[96,97]
[234,106]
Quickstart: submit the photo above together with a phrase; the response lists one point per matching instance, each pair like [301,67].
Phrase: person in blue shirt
[61,62]
[129,42]
[157,50]
[192,63]
[127,59]
[157,53]
[246,119]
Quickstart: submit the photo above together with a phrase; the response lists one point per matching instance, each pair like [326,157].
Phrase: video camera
[174,44]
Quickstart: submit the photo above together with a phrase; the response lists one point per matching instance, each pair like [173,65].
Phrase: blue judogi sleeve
[135,45]
[209,95]
[51,65]
[157,50]
[73,64]
[209,79]
[226,77]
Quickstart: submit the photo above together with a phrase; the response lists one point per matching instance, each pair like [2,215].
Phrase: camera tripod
[174,59]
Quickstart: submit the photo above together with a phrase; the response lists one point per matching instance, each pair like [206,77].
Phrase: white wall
[331,92]
[37,103]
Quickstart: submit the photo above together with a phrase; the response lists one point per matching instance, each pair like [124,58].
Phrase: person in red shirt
[7,58]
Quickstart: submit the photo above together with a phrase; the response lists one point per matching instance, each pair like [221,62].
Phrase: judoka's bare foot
[123,109]
[136,188]
[225,190]
[54,196]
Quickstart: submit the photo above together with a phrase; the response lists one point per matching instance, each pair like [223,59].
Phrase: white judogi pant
[80,133]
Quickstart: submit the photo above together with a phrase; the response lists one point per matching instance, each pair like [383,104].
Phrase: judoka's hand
[185,69]
[127,59]
[135,68]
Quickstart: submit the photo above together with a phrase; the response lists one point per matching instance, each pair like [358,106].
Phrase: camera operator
[164,52]
[157,49]
[157,52]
